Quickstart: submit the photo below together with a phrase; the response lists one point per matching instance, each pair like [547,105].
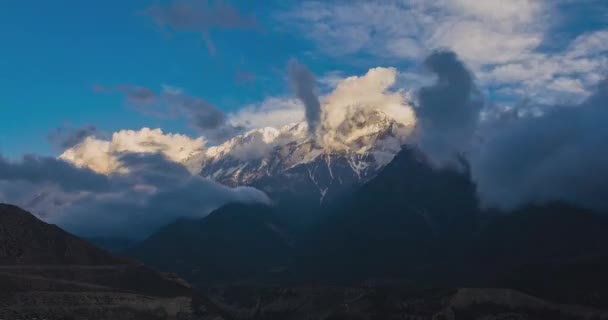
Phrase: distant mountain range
[407,242]
[243,243]
[46,273]
[360,228]
[412,224]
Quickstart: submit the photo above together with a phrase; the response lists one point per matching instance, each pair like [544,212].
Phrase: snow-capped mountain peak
[278,159]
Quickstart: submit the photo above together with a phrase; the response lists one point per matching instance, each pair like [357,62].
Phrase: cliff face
[47,273]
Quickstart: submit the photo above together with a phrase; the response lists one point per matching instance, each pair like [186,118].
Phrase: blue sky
[54,52]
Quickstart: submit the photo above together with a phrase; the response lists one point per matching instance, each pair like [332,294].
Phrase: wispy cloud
[173,102]
[67,136]
[244,77]
[480,31]
[199,17]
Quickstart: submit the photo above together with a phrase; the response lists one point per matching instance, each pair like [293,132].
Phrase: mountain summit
[289,160]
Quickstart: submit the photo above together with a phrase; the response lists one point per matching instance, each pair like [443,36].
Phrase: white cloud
[567,85]
[506,12]
[103,156]
[330,79]
[272,112]
[404,48]
[551,77]
[503,42]
[479,31]
[372,91]
[479,44]
[589,44]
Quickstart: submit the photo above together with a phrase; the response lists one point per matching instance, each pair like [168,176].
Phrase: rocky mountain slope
[46,273]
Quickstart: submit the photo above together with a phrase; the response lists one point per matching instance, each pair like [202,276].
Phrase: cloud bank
[516,47]
[36,169]
[151,192]
[559,155]
[554,154]
[103,156]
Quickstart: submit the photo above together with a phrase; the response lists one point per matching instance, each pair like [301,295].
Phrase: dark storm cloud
[559,155]
[38,169]
[448,111]
[200,17]
[66,137]
[303,83]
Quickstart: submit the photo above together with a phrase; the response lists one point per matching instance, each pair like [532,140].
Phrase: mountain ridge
[259,157]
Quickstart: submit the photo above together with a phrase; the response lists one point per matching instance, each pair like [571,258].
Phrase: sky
[104,104]
[55,53]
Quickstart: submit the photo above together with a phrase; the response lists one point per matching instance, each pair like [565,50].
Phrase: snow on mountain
[363,123]
[289,159]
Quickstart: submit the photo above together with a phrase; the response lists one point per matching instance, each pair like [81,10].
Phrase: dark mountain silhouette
[537,234]
[236,243]
[25,240]
[112,244]
[412,226]
[555,250]
[409,220]
[47,273]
